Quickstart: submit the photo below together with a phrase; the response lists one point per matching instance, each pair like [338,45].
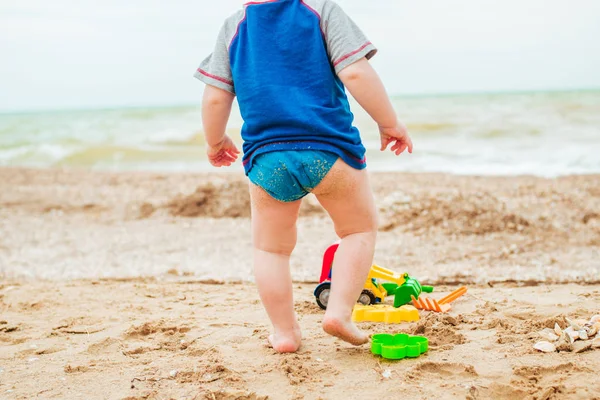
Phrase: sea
[543,134]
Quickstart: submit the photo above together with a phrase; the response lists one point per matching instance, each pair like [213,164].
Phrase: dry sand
[109,289]
[181,339]
[440,228]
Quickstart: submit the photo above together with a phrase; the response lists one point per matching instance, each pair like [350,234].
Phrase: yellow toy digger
[402,286]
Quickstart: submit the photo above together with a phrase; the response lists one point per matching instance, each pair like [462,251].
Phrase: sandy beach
[57,224]
[178,338]
[138,286]
[126,256]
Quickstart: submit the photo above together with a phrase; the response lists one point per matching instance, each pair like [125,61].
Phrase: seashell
[593,329]
[594,319]
[572,334]
[548,334]
[573,324]
[545,347]
[582,346]
[557,329]
[583,334]
[564,343]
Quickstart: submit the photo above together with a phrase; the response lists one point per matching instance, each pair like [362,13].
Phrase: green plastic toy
[397,347]
[402,294]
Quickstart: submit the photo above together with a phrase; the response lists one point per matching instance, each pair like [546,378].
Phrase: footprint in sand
[445,369]
[159,336]
[69,369]
[307,308]
[554,381]
[106,346]
[46,350]
[498,391]
[78,326]
[303,368]
[538,373]
[149,328]
[440,330]
[234,395]
[8,333]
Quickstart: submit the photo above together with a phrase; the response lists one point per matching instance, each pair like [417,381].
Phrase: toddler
[289,62]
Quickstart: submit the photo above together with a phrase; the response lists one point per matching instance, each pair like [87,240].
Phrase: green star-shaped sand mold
[397,347]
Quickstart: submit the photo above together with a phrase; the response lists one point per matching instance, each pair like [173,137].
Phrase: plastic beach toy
[397,347]
[442,305]
[384,313]
[410,288]
[381,282]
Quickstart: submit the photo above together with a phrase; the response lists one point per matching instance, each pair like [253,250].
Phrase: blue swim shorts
[291,174]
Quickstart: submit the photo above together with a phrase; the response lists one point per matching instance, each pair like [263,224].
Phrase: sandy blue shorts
[291,175]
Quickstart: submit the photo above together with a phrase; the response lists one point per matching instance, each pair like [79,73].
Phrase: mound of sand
[228,200]
[225,200]
[440,227]
[462,213]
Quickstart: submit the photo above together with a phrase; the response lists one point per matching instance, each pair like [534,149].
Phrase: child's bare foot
[288,342]
[345,330]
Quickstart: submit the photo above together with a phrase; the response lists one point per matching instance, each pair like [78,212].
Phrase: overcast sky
[87,53]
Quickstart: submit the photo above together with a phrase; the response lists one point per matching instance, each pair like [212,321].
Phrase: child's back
[280,55]
[287,61]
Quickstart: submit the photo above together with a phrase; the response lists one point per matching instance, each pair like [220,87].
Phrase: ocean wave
[154,113]
[505,134]
[196,139]
[55,155]
[427,127]
[33,155]
[115,155]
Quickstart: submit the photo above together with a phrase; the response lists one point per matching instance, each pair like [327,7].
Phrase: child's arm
[349,49]
[216,107]
[365,86]
[215,72]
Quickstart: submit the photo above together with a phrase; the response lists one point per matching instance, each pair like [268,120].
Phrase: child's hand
[399,135]
[223,154]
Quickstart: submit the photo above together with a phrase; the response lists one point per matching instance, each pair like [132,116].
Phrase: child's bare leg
[346,195]
[274,237]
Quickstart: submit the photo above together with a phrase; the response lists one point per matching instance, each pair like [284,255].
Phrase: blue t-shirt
[281,59]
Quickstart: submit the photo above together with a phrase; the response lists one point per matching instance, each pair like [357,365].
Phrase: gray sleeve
[346,43]
[215,70]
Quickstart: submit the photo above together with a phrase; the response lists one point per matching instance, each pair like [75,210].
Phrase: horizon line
[393,96]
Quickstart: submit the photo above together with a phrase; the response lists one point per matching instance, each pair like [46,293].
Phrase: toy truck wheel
[366,297]
[322,294]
